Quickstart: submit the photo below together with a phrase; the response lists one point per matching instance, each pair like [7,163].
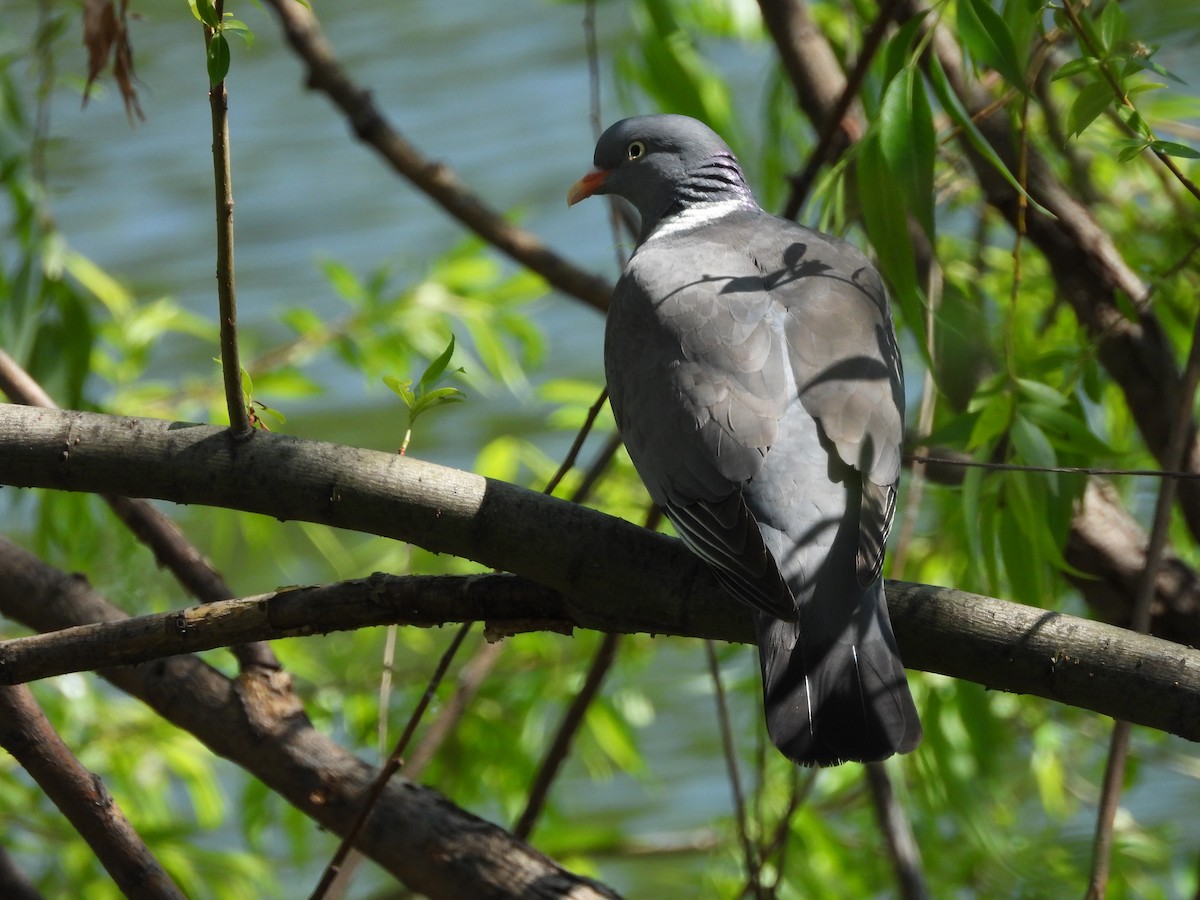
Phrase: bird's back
[755,379]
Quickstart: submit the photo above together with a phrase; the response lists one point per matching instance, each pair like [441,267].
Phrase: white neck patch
[692,217]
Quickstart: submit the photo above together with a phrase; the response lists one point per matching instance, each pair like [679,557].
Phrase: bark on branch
[602,573]
[437,180]
[256,721]
[998,644]
[27,734]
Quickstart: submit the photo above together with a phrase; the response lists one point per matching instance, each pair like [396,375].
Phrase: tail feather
[833,684]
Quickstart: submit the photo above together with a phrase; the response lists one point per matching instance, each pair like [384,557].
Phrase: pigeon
[755,379]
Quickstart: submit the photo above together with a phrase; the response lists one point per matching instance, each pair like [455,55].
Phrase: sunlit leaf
[1093,99]
[887,227]
[1075,67]
[240,28]
[1113,26]
[1171,148]
[986,35]
[435,369]
[218,59]
[951,105]
[1033,447]
[993,420]
[1041,392]
[206,13]
[906,139]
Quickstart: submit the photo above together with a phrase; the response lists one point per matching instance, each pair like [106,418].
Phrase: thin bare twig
[573,453]
[557,752]
[393,764]
[231,365]
[749,853]
[902,845]
[470,679]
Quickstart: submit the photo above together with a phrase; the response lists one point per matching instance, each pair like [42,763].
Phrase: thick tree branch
[415,833]
[170,546]
[585,555]
[612,576]
[27,734]
[1001,645]
[437,180]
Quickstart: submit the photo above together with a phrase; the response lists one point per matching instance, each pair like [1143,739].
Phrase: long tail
[833,685]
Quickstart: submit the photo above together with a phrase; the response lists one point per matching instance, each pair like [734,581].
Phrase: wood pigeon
[755,379]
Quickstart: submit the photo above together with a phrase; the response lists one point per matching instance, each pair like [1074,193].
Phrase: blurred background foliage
[105,283]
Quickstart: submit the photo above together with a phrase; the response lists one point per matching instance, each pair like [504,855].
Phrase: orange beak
[587,185]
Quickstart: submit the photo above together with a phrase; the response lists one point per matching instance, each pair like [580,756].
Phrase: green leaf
[1134,90]
[887,228]
[1095,98]
[1113,26]
[1144,62]
[906,138]
[302,320]
[1130,147]
[1134,120]
[1065,430]
[1041,392]
[1022,564]
[1034,448]
[435,369]
[402,389]
[240,28]
[898,53]
[954,109]
[1074,67]
[993,421]
[218,59]
[443,395]
[1170,148]
[206,13]
[985,34]
[345,282]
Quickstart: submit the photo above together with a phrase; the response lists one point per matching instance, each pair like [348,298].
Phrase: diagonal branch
[416,834]
[437,180]
[27,734]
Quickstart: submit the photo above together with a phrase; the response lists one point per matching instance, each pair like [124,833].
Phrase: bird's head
[662,164]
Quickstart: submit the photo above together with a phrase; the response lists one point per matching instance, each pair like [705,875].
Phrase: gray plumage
[755,379]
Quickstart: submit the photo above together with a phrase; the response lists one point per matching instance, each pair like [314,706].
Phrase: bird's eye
[635,150]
